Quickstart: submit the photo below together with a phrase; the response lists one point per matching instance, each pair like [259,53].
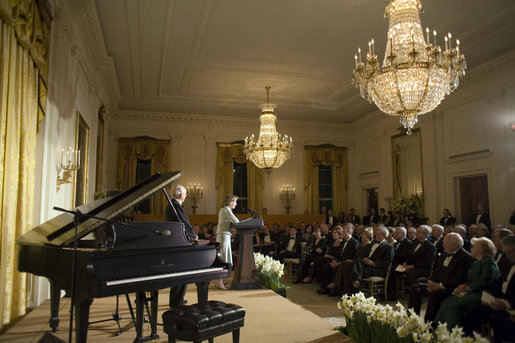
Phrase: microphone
[252,211]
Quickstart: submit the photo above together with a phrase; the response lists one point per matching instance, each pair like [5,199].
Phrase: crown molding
[225,120]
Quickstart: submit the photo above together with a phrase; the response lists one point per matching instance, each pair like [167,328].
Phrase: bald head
[452,243]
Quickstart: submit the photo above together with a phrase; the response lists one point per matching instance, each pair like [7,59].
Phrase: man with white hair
[450,270]
[461,230]
[437,238]
[175,213]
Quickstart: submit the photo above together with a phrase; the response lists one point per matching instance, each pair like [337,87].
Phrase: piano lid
[59,230]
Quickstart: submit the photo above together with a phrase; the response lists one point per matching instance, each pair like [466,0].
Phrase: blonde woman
[223,232]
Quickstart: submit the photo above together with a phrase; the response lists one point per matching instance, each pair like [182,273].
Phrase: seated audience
[328,271]
[333,253]
[391,236]
[341,218]
[316,248]
[411,233]
[450,270]
[397,219]
[353,217]
[402,249]
[498,311]
[377,262]
[461,230]
[447,218]
[290,245]
[437,238]
[307,236]
[472,231]
[345,269]
[418,262]
[482,230]
[481,216]
[497,238]
[481,276]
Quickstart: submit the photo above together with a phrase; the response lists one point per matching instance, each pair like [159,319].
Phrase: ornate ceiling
[215,57]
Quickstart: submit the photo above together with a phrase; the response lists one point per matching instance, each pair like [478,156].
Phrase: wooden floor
[269,318]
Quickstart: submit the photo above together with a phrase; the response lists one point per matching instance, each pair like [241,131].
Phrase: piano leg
[81,319]
[202,291]
[55,297]
[141,300]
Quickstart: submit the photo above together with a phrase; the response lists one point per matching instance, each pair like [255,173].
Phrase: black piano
[115,258]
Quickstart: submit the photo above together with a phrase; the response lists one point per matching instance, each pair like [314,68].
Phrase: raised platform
[269,318]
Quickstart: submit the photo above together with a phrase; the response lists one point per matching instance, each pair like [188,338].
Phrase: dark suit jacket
[296,248]
[171,216]
[334,218]
[444,221]
[382,257]
[355,219]
[438,246]
[423,257]
[455,273]
[497,288]
[374,218]
[350,249]
[402,249]
[485,219]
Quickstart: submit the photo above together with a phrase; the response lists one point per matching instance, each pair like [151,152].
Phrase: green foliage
[399,203]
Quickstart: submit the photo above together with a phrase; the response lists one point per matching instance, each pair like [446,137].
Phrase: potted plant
[270,272]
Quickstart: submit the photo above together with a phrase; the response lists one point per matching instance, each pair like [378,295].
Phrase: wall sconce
[287,194]
[195,192]
[70,162]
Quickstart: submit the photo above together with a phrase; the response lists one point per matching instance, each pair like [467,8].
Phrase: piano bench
[199,322]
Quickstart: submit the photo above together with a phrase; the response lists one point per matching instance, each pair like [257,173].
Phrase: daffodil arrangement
[269,271]
[368,321]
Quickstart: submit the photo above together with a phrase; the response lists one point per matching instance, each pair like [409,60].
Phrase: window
[325,187]
[240,186]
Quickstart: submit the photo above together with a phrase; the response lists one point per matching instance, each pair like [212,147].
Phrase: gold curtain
[325,155]
[227,154]
[142,148]
[23,67]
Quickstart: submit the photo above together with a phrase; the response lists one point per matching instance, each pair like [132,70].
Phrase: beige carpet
[269,318]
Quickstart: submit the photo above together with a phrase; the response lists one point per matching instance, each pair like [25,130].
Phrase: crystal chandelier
[416,74]
[271,150]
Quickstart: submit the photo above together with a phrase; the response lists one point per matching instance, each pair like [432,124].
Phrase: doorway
[473,190]
[371,198]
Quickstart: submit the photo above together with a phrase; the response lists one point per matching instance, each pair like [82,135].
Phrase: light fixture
[287,194]
[416,74]
[271,150]
[70,162]
[195,192]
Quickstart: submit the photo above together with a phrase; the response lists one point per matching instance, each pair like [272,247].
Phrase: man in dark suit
[419,261]
[175,213]
[447,218]
[495,311]
[330,218]
[377,262]
[437,238]
[383,217]
[481,217]
[461,230]
[366,219]
[402,249]
[497,238]
[450,270]
[290,246]
[354,218]
[374,217]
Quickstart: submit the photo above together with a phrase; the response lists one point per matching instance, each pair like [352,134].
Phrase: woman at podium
[223,232]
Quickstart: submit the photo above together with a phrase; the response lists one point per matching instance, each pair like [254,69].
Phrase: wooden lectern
[245,275]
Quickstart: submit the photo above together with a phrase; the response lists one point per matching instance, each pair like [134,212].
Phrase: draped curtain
[130,150]
[227,154]
[23,71]
[325,155]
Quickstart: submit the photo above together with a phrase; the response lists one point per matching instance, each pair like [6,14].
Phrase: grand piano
[122,258]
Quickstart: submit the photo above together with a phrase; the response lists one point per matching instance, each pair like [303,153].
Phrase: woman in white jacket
[223,231]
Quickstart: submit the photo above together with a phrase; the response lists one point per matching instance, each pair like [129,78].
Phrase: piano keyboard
[162,276]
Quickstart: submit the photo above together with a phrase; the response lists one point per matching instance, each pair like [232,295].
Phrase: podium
[245,275]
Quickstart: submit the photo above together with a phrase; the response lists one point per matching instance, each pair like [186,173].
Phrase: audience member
[290,245]
[447,218]
[411,233]
[482,231]
[450,270]
[317,248]
[472,231]
[496,310]
[391,236]
[334,252]
[481,276]
[377,262]
[481,216]
[497,238]
[353,217]
[462,231]
[437,238]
